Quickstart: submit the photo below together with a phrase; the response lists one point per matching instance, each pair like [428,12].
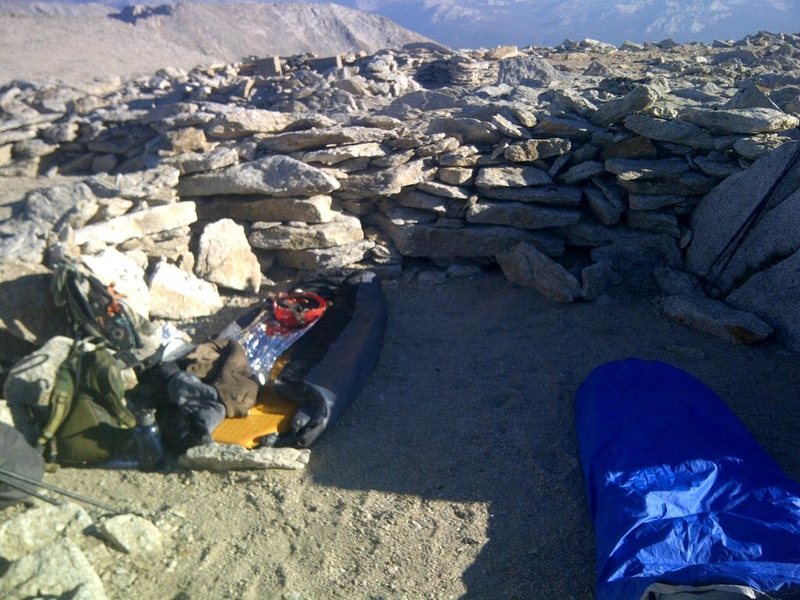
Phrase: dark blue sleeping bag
[680,493]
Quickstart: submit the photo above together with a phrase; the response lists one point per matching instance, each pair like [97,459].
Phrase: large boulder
[774,295]
[721,213]
[224,257]
[175,294]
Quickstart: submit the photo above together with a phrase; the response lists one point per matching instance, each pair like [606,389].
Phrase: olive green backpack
[89,421]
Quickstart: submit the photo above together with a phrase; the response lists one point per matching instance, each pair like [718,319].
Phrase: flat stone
[238,122]
[187,139]
[414,198]
[425,240]
[138,224]
[455,175]
[581,172]
[39,527]
[172,244]
[657,221]
[653,202]
[344,229]
[270,176]
[230,457]
[494,177]
[443,146]
[633,147]
[526,266]
[774,294]
[196,162]
[637,100]
[386,182]
[316,209]
[531,150]
[740,120]
[468,130]
[523,215]
[609,209]
[224,257]
[392,160]
[689,183]
[464,156]
[332,156]
[155,185]
[60,570]
[558,195]
[671,131]
[716,318]
[319,138]
[631,169]
[337,257]
[131,534]
[758,145]
[175,294]
[443,190]
[572,128]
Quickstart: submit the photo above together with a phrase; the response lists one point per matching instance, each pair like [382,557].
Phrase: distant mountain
[76,41]
[471,23]
[476,23]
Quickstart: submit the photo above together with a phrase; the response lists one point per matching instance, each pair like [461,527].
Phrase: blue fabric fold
[679,491]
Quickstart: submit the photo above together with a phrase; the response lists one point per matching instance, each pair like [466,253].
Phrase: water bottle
[148,441]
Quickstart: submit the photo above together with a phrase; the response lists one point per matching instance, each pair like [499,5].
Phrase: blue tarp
[679,491]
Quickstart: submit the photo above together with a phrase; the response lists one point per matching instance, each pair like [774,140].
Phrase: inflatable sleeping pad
[323,369]
[685,503]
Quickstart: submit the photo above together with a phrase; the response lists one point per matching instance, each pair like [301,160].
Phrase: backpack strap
[63,392]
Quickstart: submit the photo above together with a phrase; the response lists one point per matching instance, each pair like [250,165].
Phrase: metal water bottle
[148,441]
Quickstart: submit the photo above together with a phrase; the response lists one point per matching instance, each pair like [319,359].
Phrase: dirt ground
[454,472]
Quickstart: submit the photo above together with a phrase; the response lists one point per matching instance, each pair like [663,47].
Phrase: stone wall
[572,168]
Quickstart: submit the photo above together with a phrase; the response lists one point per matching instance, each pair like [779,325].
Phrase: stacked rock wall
[569,167]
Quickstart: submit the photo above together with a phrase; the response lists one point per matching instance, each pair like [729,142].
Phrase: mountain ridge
[85,41]
[485,23]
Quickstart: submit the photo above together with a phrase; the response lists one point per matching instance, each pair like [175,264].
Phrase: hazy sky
[474,23]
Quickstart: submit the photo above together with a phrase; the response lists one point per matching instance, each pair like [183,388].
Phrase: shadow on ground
[473,402]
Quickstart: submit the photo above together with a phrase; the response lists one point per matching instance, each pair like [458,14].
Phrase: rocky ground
[453,474]
[533,212]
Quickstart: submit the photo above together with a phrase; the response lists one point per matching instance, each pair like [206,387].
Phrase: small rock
[228,457]
[716,318]
[131,534]
[37,529]
[526,266]
[60,569]
[224,257]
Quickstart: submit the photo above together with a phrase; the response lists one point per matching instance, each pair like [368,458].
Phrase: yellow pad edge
[271,414]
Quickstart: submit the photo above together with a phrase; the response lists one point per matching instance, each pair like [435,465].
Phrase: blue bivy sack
[685,503]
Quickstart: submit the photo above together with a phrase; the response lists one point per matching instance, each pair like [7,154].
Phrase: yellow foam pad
[271,414]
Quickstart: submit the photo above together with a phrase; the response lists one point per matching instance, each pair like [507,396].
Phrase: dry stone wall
[572,168]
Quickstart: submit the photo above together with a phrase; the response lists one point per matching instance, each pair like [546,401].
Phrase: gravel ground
[453,474]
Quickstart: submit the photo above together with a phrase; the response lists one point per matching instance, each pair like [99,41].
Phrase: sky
[488,23]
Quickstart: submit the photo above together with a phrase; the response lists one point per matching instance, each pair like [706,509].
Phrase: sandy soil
[453,474]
